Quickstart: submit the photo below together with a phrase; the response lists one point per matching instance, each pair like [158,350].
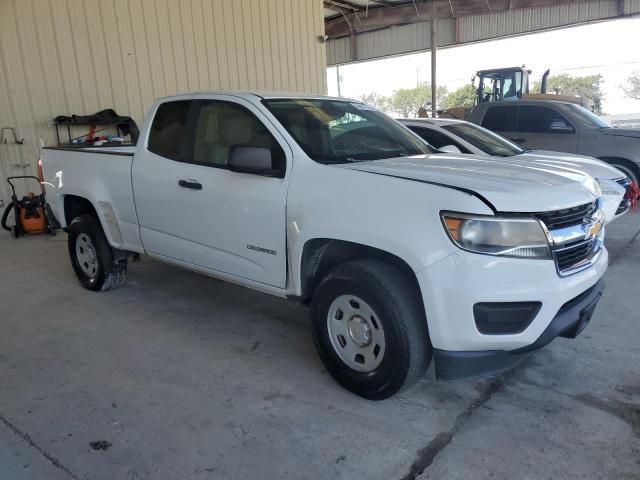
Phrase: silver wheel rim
[86,255]
[356,333]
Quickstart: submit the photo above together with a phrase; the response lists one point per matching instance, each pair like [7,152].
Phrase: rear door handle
[192,184]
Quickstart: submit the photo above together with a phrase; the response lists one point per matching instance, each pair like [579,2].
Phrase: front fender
[397,216]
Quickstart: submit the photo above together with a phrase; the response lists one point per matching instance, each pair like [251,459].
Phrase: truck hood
[507,186]
[621,132]
[589,165]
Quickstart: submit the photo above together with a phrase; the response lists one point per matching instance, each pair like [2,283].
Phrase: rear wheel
[92,257]
[369,328]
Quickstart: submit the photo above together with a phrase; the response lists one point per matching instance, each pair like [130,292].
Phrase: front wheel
[369,328]
[92,257]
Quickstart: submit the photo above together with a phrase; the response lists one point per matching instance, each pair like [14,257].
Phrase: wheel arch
[320,255]
[75,205]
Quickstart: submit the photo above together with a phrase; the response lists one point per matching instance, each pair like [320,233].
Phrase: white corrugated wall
[62,57]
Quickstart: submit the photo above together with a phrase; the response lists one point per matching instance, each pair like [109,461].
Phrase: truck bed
[103,176]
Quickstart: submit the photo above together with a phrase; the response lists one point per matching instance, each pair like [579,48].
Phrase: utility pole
[434,41]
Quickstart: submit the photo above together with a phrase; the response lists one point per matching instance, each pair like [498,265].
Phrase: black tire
[396,301]
[110,273]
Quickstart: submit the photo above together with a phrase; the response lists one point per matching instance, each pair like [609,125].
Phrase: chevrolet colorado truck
[403,257]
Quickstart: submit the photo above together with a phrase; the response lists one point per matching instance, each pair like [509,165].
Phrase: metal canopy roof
[360,30]
[334,8]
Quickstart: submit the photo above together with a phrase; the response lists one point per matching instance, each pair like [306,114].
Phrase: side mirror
[253,160]
[449,149]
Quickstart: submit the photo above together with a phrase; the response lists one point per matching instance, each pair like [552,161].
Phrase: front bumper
[452,286]
[572,318]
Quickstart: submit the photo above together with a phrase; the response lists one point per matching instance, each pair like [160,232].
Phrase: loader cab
[501,84]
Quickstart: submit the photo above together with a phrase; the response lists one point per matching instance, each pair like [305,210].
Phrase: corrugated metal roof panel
[631,6]
[390,41]
[477,27]
[512,22]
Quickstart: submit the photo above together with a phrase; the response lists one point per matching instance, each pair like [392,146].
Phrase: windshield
[587,118]
[334,131]
[487,141]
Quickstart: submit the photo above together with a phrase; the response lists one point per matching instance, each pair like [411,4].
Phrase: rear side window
[436,139]
[537,119]
[499,119]
[168,129]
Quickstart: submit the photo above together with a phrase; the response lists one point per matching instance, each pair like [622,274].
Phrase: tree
[378,101]
[462,97]
[632,88]
[588,86]
[408,101]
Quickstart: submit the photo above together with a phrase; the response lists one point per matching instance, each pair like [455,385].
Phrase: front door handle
[192,184]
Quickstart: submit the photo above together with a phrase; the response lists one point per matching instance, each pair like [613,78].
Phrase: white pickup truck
[402,256]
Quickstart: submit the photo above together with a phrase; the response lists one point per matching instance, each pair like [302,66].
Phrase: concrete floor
[193,378]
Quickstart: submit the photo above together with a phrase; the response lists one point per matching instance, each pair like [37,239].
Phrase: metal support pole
[338,79]
[434,47]
[354,46]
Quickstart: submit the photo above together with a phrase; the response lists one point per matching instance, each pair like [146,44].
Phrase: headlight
[506,237]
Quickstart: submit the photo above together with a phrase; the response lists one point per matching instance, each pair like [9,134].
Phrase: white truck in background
[401,256]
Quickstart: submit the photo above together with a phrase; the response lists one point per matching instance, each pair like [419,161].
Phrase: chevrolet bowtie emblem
[593,227]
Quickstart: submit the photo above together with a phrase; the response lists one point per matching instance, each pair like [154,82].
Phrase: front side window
[537,119]
[585,117]
[168,129]
[334,131]
[222,126]
[483,139]
[499,119]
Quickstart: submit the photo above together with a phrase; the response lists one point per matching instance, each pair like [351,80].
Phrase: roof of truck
[525,101]
[431,121]
[257,93]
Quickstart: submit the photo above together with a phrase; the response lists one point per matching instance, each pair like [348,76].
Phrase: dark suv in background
[562,127]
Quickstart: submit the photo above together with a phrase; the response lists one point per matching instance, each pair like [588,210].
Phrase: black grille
[571,257]
[568,216]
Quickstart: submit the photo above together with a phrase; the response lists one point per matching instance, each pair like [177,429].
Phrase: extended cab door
[233,222]
[153,179]
[544,128]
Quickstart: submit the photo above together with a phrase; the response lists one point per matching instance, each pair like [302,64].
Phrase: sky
[607,48]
